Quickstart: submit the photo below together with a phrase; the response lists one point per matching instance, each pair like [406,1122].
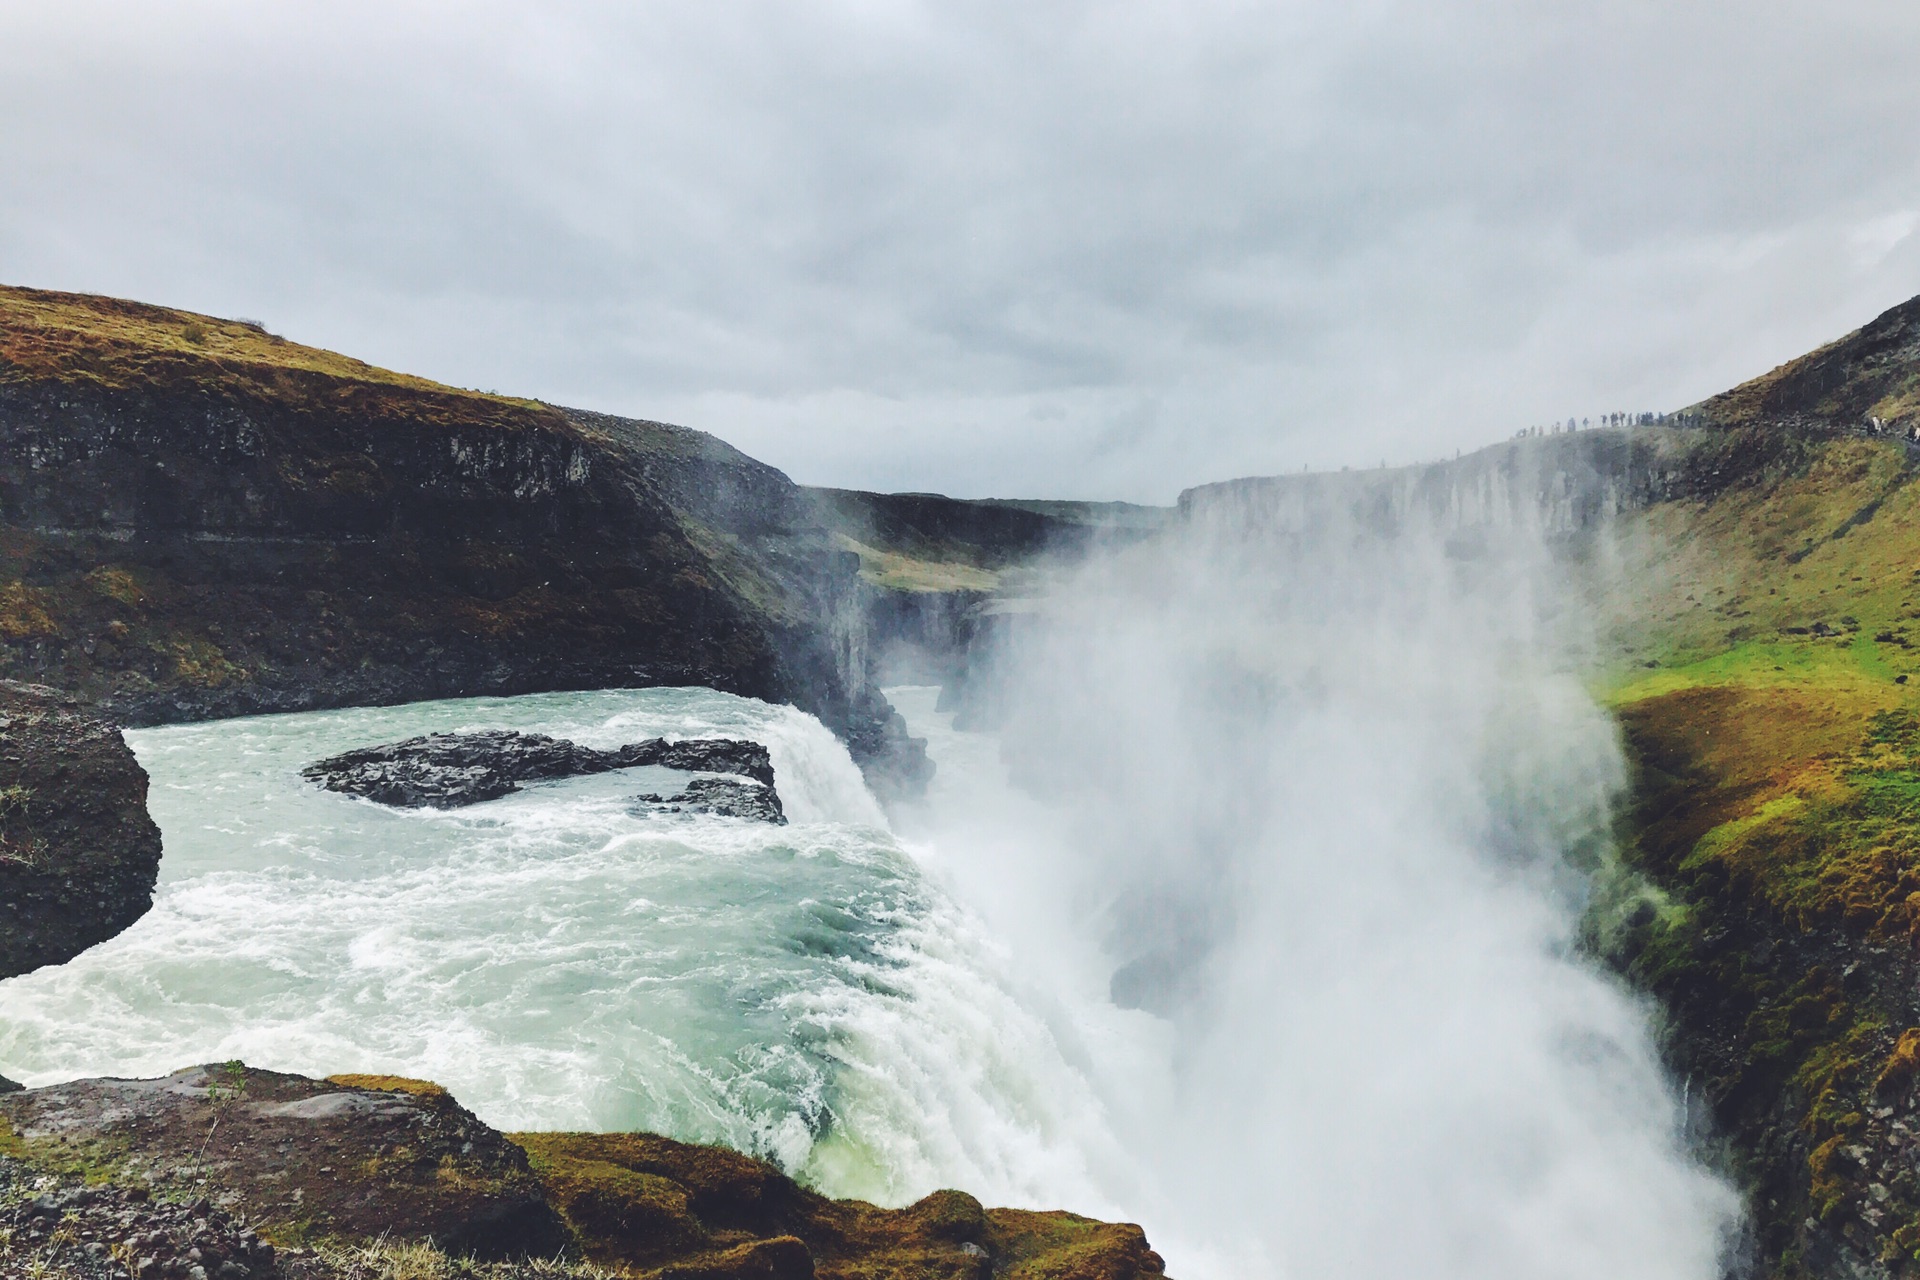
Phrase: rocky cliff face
[78,853]
[1557,485]
[198,519]
[1849,384]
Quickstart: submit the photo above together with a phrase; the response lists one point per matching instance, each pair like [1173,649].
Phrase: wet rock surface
[450,770]
[79,854]
[227,1173]
[359,1157]
[722,797]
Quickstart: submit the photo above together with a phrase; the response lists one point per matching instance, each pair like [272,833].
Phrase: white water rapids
[1329,871]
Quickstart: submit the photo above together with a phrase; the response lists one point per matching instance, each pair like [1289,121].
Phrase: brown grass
[111,343]
[388,1084]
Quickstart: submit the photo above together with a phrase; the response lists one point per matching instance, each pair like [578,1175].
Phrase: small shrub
[21,851]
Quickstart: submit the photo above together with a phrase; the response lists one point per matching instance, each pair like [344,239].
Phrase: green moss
[1061,1246]
[643,1202]
[615,1213]
[389,1084]
[116,583]
[199,663]
[25,612]
[93,1160]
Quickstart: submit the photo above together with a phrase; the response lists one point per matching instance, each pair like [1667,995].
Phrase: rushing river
[1273,949]
[802,992]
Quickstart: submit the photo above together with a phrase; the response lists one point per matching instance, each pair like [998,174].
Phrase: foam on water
[884,1014]
[801,992]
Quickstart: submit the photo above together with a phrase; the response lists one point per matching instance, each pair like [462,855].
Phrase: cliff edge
[258,1175]
[200,519]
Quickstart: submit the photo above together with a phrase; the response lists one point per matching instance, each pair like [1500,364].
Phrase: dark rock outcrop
[360,1157]
[78,853]
[449,770]
[722,797]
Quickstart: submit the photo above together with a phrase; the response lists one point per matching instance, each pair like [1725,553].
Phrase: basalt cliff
[198,519]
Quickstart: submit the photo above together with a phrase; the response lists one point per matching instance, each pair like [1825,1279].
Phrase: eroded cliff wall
[199,519]
[1556,484]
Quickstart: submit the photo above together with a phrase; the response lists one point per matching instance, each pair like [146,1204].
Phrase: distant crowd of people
[1613,420]
[1872,426]
[1879,427]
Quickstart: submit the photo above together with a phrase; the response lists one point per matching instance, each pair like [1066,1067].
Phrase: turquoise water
[802,992]
[1389,1062]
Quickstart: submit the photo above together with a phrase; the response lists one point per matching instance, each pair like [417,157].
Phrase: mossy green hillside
[1763,673]
[1820,553]
[649,1206]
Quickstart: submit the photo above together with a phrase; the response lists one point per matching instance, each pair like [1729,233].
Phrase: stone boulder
[450,770]
[358,1157]
[79,853]
[722,797]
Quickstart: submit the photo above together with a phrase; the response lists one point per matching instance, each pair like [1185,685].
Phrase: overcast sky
[1012,248]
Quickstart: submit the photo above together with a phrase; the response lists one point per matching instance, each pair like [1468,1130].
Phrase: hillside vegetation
[1766,679]
[85,340]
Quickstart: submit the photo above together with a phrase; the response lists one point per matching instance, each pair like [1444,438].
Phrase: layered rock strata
[198,519]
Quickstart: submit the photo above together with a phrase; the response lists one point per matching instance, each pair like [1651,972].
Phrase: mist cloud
[1077,249]
[1325,809]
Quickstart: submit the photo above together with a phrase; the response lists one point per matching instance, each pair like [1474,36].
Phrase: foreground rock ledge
[256,1175]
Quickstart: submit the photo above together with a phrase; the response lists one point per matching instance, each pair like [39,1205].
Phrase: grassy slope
[1769,694]
[917,542]
[1872,372]
[84,339]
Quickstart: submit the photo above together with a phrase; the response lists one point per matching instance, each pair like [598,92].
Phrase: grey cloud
[1080,249]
